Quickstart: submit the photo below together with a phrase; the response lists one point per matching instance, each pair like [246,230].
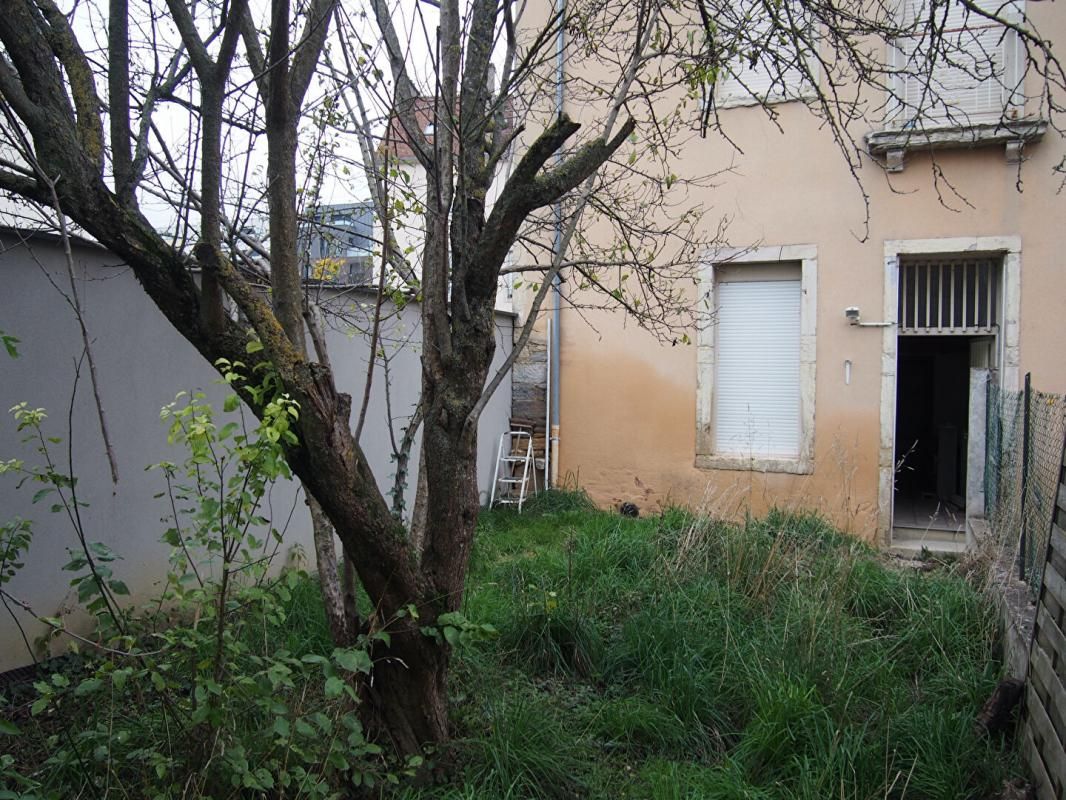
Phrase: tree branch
[82,86]
[309,48]
[118,99]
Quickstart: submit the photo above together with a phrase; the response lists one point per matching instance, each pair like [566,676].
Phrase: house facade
[855,317]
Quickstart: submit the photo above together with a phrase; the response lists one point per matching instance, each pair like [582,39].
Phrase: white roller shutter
[765,69]
[757,356]
[973,74]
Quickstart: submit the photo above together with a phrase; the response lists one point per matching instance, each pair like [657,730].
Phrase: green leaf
[281,727]
[334,687]
[353,660]
[383,636]
[118,587]
[118,678]
[8,728]
[101,550]
[266,780]
[87,687]
[452,618]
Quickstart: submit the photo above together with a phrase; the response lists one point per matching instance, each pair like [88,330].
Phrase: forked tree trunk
[406,697]
[406,701]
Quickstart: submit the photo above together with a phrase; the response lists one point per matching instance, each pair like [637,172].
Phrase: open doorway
[948,312]
[964,289]
[932,423]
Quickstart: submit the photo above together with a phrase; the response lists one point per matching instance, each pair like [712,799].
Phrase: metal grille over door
[949,296]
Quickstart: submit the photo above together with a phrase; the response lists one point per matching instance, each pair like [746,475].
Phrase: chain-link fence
[1023,458]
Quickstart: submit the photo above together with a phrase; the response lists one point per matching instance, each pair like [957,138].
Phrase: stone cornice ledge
[894,144]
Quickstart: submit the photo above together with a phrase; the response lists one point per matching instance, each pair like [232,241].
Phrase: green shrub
[227,685]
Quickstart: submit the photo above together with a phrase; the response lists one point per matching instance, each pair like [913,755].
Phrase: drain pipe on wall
[548,413]
[555,328]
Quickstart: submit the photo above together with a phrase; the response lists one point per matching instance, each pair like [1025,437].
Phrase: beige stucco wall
[628,406]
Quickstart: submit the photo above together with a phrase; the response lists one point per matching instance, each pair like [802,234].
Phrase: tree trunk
[451,481]
[406,700]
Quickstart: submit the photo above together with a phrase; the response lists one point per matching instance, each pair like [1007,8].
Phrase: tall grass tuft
[527,752]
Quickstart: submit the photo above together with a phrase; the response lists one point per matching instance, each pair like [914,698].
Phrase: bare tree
[512,186]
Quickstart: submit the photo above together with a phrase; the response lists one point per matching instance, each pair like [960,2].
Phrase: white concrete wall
[142,363]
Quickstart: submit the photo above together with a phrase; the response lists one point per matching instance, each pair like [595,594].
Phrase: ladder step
[514,459]
[512,480]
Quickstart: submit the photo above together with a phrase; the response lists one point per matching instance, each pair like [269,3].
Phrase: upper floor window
[955,67]
[342,243]
[766,63]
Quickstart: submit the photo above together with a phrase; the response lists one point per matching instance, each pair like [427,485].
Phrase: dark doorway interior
[932,421]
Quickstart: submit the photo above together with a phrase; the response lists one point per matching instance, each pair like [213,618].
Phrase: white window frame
[706,457]
[1013,97]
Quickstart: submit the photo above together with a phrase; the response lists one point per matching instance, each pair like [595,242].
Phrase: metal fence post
[991,449]
[1026,397]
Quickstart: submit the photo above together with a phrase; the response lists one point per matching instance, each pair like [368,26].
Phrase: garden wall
[142,364]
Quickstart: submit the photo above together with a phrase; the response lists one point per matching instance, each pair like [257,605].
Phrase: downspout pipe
[556,327]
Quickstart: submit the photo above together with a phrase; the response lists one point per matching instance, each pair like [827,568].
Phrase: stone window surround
[807,256]
[1007,247]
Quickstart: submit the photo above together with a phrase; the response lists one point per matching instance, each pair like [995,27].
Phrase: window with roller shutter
[955,67]
[757,385]
[765,64]
[756,359]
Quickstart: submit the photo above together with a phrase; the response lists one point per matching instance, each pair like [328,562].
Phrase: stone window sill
[791,466]
[893,145]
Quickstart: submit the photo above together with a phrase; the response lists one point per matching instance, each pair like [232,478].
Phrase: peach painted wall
[628,405]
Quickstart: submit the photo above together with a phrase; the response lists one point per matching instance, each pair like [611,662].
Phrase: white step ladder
[514,468]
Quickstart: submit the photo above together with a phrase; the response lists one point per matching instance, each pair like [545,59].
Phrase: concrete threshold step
[936,547]
[912,534]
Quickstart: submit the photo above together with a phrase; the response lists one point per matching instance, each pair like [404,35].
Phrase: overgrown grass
[675,657]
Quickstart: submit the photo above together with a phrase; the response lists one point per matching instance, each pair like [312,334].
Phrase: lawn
[662,658]
[673,657]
